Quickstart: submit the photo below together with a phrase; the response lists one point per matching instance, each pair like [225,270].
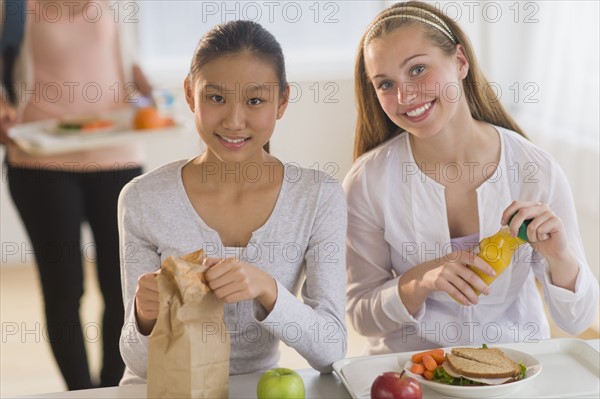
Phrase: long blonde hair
[373,127]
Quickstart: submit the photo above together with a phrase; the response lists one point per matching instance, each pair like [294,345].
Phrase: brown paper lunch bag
[188,349]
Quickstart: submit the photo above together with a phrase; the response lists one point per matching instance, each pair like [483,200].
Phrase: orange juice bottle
[498,250]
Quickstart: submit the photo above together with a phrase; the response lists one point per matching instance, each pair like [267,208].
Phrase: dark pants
[52,205]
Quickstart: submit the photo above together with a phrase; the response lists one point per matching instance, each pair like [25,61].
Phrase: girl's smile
[420,112]
[233,142]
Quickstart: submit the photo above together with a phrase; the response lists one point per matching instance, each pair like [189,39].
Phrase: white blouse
[397,220]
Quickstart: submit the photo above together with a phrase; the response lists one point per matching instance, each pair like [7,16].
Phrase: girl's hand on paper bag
[234,281]
[146,302]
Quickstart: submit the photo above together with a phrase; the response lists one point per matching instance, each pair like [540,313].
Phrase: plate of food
[83,125]
[471,372]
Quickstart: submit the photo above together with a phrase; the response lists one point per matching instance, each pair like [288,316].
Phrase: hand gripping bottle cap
[523,229]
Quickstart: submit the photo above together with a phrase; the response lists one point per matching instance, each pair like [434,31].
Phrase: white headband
[442,27]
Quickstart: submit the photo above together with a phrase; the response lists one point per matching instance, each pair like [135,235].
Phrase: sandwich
[478,366]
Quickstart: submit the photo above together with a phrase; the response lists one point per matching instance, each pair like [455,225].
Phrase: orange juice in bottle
[498,249]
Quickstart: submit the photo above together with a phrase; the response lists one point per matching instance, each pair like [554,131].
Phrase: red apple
[394,385]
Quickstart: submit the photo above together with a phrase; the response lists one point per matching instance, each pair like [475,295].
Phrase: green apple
[280,383]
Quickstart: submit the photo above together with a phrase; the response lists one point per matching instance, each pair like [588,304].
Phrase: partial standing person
[74,59]
[268,227]
[441,165]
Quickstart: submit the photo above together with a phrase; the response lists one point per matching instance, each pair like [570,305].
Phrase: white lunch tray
[570,369]
[36,138]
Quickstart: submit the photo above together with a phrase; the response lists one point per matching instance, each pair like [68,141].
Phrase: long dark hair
[373,126]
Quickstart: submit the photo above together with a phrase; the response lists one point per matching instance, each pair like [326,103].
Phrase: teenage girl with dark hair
[265,225]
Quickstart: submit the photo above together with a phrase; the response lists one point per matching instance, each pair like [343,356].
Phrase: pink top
[77,71]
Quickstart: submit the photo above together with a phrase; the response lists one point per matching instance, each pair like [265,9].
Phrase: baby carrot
[428,374]
[418,357]
[439,359]
[429,363]
[417,368]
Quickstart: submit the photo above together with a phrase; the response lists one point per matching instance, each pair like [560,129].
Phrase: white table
[240,386]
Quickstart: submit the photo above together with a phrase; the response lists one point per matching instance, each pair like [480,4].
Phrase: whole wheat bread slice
[482,363]
[491,356]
